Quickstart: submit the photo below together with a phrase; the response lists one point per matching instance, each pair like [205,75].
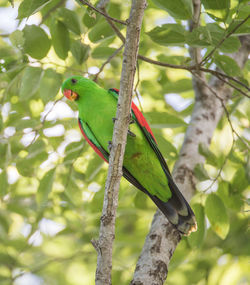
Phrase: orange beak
[71,95]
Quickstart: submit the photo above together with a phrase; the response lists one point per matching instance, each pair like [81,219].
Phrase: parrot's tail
[177,210]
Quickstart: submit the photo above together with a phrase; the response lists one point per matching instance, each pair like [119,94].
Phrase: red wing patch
[95,148]
[141,120]
[116,90]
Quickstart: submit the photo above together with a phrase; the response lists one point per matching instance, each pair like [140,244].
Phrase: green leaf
[244,29]
[102,52]
[231,44]
[167,148]
[179,9]
[168,34]
[60,38]
[178,86]
[80,51]
[210,157]
[37,43]
[217,215]
[23,124]
[72,191]
[45,188]
[17,38]
[196,239]
[174,59]
[100,32]
[140,200]
[36,155]
[227,64]
[200,172]
[199,37]
[90,18]
[29,7]
[3,183]
[1,122]
[164,120]
[30,82]
[217,9]
[70,20]
[231,199]
[11,3]
[240,181]
[73,150]
[50,85]
[211,35]
[5,222]
[93,168]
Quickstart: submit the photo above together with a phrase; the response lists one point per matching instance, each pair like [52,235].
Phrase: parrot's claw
[132,121]
[131,134]
[109,145]
[114,119]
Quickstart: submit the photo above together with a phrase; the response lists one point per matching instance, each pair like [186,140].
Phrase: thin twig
[221,168]
[102,13]
[136,86]
[107,61]
[216,73]
[224,107]
[164,64]
[43,265]
[233,86]
[223,39]
[219,74]
[115,29]
[54,8]
[42,123]
[102,4]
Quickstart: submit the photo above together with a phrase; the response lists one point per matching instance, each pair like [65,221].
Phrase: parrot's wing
[92,141]
[176,205]
[141,121]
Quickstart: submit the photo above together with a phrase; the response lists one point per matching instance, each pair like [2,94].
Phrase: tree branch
[107,61]
[162,240]
[107,227]
[223,39]
[102,13]
[216,73]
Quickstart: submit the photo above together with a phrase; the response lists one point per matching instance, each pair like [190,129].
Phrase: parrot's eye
[73,80]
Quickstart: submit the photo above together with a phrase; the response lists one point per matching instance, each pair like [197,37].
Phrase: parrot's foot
[114,119]
[109,146]
[132,121]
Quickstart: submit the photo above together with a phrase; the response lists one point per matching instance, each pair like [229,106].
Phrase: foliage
[51,182]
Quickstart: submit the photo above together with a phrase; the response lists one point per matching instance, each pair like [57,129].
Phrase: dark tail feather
[177,210]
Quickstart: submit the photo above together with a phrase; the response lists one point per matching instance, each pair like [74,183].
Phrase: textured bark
[162,240]
[107,227]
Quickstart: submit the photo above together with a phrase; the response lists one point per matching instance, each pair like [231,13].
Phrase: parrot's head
[75,87]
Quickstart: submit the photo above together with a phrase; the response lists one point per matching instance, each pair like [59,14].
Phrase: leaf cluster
[51,182]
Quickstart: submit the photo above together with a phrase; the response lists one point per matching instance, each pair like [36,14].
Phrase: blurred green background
[51,181]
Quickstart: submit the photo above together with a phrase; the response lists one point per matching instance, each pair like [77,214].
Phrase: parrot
[144,166]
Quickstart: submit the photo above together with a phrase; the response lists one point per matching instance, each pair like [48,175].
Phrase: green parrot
[144,165]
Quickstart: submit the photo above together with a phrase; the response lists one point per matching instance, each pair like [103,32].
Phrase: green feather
[143,165]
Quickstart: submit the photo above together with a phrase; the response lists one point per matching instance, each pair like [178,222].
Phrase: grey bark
[107,227]
[162,240]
